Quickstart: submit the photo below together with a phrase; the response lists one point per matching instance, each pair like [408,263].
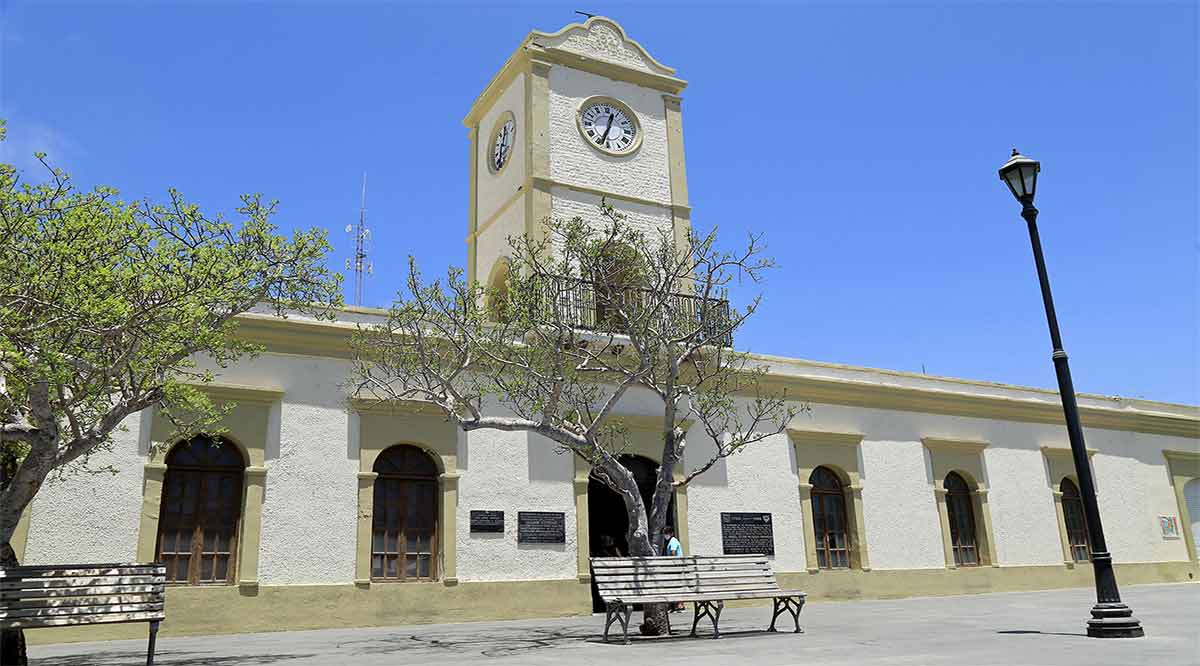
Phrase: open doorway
[607,519]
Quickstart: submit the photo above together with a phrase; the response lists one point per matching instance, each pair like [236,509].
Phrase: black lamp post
[1110,617]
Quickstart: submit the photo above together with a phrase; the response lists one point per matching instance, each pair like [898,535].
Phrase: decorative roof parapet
[598,45]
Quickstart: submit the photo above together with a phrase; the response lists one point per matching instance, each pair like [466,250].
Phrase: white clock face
[609,127]
[503,144]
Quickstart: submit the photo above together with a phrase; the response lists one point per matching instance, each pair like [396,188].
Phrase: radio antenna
[359,262]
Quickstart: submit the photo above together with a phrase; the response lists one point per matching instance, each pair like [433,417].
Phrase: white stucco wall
[91,516]
[1022,504]
[1133,488]
[761,478]
[514,472]
[898,506]
[309,511]
[644,174]
[652,221]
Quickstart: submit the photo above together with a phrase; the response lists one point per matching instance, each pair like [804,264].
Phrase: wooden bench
[74,594]
[706,582]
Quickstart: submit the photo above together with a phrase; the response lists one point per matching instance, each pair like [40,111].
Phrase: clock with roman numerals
[609,126]
[502,142]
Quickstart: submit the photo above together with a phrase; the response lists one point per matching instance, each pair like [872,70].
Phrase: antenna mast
[359,263]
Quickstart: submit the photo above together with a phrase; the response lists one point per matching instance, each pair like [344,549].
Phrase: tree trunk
[12,641]
[654,616]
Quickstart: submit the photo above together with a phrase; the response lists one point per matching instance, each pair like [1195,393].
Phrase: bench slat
[649,578]
[689,578]
[82,610]
[34,623]
[97,581]
[69,572]
[12,595]
[680,589]
[682,567]
[66,602]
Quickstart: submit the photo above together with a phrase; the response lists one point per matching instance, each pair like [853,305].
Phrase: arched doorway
[608,520]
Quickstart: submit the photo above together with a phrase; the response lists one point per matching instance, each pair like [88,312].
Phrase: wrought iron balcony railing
[591,307]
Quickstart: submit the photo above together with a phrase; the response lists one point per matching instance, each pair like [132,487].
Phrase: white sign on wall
[1170,526]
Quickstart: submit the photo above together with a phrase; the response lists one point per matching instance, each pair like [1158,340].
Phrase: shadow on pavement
[487,643]
[163,658]
[1035,631]
[685,636]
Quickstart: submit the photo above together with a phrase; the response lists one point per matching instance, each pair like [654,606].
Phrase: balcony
[590,307]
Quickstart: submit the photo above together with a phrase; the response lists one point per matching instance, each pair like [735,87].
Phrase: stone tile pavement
[1019,629]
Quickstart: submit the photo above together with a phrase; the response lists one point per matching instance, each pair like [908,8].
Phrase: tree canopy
[592,316]
[106,305]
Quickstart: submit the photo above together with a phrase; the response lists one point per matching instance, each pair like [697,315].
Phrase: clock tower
[571,117]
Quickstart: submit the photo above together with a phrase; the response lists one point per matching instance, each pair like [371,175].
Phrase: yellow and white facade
[304,547]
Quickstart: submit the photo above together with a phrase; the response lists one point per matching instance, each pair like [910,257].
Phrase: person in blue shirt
[674,549]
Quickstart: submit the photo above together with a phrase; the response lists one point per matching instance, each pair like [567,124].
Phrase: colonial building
[317,510]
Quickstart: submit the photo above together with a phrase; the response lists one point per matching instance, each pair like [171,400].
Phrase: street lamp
[1110,617]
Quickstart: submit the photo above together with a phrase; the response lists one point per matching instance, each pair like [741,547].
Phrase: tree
[105,307]
[589,315]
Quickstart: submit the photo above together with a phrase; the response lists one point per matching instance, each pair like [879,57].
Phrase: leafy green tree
[106,305]
[591,316]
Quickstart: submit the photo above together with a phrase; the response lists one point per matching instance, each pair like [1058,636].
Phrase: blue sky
[861,138]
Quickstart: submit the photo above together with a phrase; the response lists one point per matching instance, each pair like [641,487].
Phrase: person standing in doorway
[673,549]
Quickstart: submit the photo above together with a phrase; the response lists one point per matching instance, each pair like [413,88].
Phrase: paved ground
[1020,629]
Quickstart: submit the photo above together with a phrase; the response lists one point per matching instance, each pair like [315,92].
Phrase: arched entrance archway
[608,520]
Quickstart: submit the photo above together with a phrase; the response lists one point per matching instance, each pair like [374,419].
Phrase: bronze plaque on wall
[487,521]
[541,527]
[747,534]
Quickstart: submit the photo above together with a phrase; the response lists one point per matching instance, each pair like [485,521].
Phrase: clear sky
[862,138]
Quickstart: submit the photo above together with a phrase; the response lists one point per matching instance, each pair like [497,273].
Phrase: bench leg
[791,605]
[150,647]
[618,613]
[706,609]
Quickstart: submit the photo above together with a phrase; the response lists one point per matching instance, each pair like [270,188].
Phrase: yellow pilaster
[153,474]
[449,519]
[248,544]
[366,514]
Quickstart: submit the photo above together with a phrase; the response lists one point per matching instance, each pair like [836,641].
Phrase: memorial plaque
[487,521]
[541,527]
[747,533]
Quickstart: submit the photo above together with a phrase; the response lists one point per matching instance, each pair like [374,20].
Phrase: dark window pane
[829,519]
[961,516]
[405,513]
[200,509]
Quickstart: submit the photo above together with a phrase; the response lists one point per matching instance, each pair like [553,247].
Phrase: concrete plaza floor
[1020,629]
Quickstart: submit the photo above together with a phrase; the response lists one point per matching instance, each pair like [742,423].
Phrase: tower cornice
[598,45]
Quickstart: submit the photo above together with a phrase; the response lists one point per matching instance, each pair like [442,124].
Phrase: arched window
[201,507]
[1077,534]
[617,282]
[404,543]
[829,519]
[497,291]
[1191,499]
[961,514]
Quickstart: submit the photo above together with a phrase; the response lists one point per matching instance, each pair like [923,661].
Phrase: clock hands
[607,129]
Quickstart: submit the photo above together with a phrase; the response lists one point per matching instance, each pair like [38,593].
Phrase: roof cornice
[815,382]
